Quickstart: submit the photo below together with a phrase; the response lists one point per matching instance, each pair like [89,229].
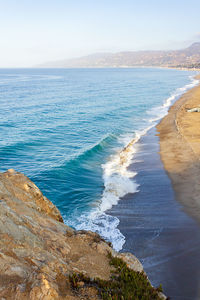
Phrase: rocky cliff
[42,258]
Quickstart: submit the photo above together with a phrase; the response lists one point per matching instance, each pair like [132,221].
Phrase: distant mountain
[188,57]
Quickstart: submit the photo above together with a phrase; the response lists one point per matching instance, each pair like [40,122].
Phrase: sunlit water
[66,129]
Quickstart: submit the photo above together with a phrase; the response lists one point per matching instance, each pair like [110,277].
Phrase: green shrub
[124,284]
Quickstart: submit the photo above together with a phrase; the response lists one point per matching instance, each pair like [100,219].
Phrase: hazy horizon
[35,33]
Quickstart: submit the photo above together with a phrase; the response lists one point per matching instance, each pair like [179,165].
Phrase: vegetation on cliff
[42,258]
[124,283]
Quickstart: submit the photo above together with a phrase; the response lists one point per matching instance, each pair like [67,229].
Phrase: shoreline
[179,138]
[121,161]
[156,229]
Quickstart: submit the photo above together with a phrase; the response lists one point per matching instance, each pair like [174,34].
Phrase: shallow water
[65,129]
[157,230]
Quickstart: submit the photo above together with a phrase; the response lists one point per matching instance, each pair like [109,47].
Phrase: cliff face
[39,253]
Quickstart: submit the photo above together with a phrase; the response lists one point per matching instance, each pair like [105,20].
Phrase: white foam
[119,180]
[160,111]
[116,186]
[103,224]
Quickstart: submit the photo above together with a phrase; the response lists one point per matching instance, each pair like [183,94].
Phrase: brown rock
[38,251]
[131,261]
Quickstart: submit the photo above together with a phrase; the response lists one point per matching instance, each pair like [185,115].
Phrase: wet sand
[157,230]
[179,134]
[161,223]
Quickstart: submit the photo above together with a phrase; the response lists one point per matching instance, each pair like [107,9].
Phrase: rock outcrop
[39,253]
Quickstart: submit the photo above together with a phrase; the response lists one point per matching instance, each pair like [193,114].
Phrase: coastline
[120,163]
[163,236]
[156,229]
[180,152]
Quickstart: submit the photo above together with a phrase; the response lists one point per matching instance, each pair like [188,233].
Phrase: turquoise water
[65,128]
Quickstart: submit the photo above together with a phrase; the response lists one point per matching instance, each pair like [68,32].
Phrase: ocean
[74,132]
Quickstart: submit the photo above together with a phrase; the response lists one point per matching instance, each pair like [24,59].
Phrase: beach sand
[157,230]
[162,232]
[179,134]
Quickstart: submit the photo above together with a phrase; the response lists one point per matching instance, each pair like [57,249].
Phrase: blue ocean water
[70,130]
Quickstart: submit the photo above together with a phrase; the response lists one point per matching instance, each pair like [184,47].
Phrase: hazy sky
[36,31]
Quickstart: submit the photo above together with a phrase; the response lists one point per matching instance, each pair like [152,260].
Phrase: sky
[38,31]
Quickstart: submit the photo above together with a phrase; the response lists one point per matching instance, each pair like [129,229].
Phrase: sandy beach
[179,134]
[163,232]
[157,230]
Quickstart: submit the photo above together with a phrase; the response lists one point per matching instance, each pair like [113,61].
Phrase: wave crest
[119,179]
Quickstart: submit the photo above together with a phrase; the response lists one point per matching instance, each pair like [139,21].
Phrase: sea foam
[61,114]
[119,179]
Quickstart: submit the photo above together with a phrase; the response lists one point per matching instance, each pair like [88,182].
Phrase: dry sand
[179,134]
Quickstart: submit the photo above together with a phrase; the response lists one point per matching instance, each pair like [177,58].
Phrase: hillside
[188,57]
